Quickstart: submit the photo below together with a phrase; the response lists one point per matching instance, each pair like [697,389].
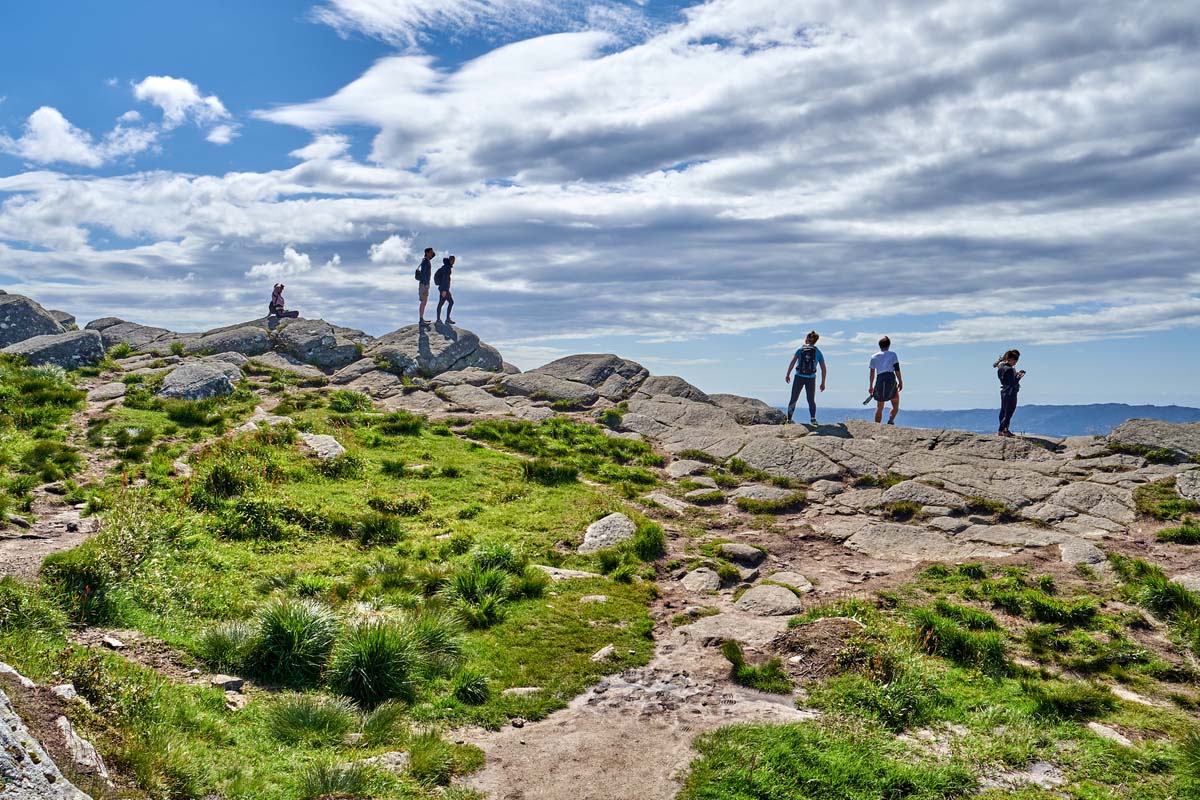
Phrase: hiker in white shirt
[886,381]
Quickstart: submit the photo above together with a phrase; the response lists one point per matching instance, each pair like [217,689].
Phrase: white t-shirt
[884,361]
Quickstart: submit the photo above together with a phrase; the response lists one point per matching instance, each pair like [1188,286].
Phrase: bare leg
[879,412]
[895,407]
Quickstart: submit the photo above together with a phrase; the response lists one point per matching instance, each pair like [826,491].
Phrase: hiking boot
[450,321]
[814,420]
[891,422]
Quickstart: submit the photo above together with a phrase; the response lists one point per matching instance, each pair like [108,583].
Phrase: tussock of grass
[1187,533]
[766,677]
[783,505]
[375,661]
[344,401]
[944,636]
[885,481]
[902,510]
[1066,699]
[311,720]
[548,472]
[1161,501]
[293,641]
[697,455]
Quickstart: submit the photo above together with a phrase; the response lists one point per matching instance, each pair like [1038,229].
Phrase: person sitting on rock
[805,362]
[886,381]
[276,308]
[442,279]
[1010,384]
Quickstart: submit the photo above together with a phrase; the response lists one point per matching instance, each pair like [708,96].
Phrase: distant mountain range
[1097,419]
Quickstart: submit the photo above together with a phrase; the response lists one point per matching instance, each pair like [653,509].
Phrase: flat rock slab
[758,491]
[197,381]
[607,532]
[922,494]
[290,365]
[701,579]
[559,574]
[67,350]
[792,579]
[473,399]
[27,769]
[671,504]
[769,601]
[107,391]
[742,553]
[683,467]
[1111,734]
[321,445]
[891,541]
[1189,581]
[1188,484]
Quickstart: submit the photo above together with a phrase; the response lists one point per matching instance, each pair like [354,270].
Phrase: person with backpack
[805,362]
[1010,384]
[885,380]
[442,279]
[276,307]
[422,275]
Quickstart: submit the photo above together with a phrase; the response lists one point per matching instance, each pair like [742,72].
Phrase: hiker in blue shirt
[805,362]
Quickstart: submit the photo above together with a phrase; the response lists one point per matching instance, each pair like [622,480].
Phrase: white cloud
[325,146]
[50,138]
[130,116]
[294,263]
[395,249]
[222,134]
[401,22]
[180,100]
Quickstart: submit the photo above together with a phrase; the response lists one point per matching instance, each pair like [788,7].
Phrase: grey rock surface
[769,601]
[27,772]
[671,386]
[701,579]
[138,337]
[792,579]
[471,376]
[107,391]
[248,340]
[287,364]
[1183,438]
[67,350]
[758,491]
[321,445]
[607,532]
[22,318]
[85,759]
[890,541]
[543,386]
[473,399]
[742,553]
[353,371]
[748,410]
[613,377]
[672,505]
[412,351]
[316,342]
[1188,484]
[922,494]
[62,318]
[196,380]
[683,467]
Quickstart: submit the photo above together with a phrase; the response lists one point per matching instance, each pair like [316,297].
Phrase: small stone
[704,481]
[701,579]
[793,579]
[594,598]
[112,643]
[227,682]
[321,445]
[236,701]
[604,653]
[742,553]
[19,522]
[182,470]
[667,503]
[521,691]
[769,601]
[1112,735]
[518,722]
[72,527]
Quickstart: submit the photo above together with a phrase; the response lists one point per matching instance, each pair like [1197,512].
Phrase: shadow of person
[447,331]
[839,430]
[272,322]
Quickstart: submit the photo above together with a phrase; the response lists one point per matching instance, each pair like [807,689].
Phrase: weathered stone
[107,391]
[704,481]
[701,579]
[509,369]
[1188,484]
[289,365]
[315,342]
[1111,734]
[67,350]
[790,458]
[196,381]
[668,503]
[748,410]
[84,756]
[671,386]
[683,467]
[559,574]
[793,579]
[102,323]
[891,541]
[1189,581]
[27,772]
[62,318]
[22,318]
[379,384]
[613,377]
[394,761]
[137,337]
[593,598]
[922,494]
[759,491]
[769,601]
[321,445]
[473,399]
[471,376]
[606,532]
[248,340]
[426,403]
[742,553]
[415,351]
[541,386]
[604,653]
[228,683]
[356,370]
[521,691]
[1182,437]
[531,413]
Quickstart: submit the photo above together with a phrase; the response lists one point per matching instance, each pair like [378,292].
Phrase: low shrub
[311,720]
[478,595]
[379,528]
[782,505]
[470,512]
[293,641]
[394,467]
[973,571]
[625,573]
[344,401]
[649,543]
[548,472]
[343,467]
[375,661]
[766,677]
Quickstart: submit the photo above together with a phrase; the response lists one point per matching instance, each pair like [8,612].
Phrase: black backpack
[417,274]
[439,277]
[807,365]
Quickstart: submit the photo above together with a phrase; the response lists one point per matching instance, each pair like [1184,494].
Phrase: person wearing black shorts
[886,382]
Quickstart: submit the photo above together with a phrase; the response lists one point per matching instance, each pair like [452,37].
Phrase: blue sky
[690,184]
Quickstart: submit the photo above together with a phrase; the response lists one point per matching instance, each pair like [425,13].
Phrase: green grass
[1161,501]
[1186,533]
[766,677]
[902,510]
[783,505]
[311,719]
[1155,455]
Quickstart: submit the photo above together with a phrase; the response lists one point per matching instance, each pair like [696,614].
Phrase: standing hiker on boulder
[276,307]
[422,275]
[886,382]
[442,279]
[1010,384]
[805,362]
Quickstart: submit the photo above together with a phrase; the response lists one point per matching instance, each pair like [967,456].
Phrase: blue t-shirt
[820,360]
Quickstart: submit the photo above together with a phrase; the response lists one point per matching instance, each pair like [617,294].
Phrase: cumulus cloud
[222,134]
[325,146]
[50,138]
[395,249]
[293,263]
[180,100]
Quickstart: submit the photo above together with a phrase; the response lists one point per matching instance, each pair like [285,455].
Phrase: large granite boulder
[22,318]
[102,323]
[248,340]
[62,318]
[198,380]
[613,378]
[138,337]
[541,386]
[316,342]
[671,386]
[607,532]
[282,362]
[748,410]
[67,350]
[1153,434]
[413,351]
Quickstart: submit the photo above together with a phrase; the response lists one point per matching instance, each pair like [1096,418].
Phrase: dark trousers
[810,387]
[1008,405]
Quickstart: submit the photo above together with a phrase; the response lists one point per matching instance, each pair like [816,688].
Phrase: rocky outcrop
[614,378]
[671,386]
[22,318]
[316,342]
[748,410]
[1153,434]
[67,350]
[542,386]
[137,337]
[414,351]
[282,362]
[27,772]
[199,380]
[248,340]
[63,318]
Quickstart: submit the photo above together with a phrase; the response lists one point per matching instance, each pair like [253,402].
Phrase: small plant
[1072,613]
[379,528]
[470,512]
[344,401]
[500,556]
[122,350]
[325,779]
[408,506]
[624,573]
[52,461]
[478,595]
[610,418]
[902,510]
[549,473]
[698,455]
[311,720]
[975,572]
[530,584]
[984,506]
[782,505]
[343,467]
[450,471]
[1189,755]
[1161,501]
[970,618]
[649,542]
[385,725]
[176,348]
[471,687]
[294,640]
[401,423]
[1187,533]
[375,661]
[766,677]
[943,636]
[227,646]
[711,497]
[1070,699]
[430,759]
